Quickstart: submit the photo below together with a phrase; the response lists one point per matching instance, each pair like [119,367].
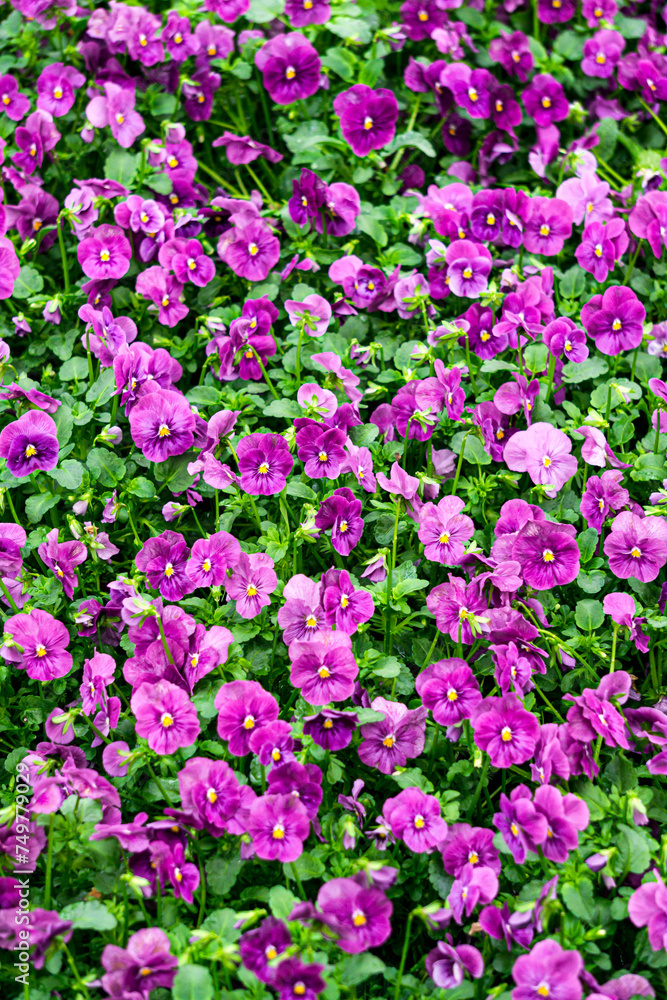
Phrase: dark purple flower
[146,964]
[242,706]
[345,607]
[264,464]
[62,558]
[367,117]
[30,444]
[262,945]
[243,149]
[211,558]
[253,252]
[548,971]
[520,823]
[447,965]
[330,729]
[450,690]
[398,737]
[602,495]
[165,716]
[548,557]
[278,825]
[414,817]
[290,67]
[251,583]
[505,730]
[360,916]
[162,424]
[615,320]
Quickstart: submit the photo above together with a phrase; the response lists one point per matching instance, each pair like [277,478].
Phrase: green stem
[545,699]
[261,187]
[75,972]
[613,648]
[550,377]
[404,955]
[302,327]
[217,511]
[297,879]
[91,373]
[430,652]
[219,180]
[9,597]
[659,122]
[473,385]
[480,785]
[460,461]
[656,446]
[388,639]
[165,645]
[265,374]
[134,530]
[49,863]
[202,897]
[628,273]
[63,255]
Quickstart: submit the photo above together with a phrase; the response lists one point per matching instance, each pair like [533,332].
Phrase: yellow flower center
[452,695]
[444,538]
[358,918]
[506,734]
[104,255]
[472,858]
[636,553]
[120,118]
[344,601]
[206,565]
[598,250]
[467,272]
[271,953]
[30,451]
[311,621]
[253,249]
[163,431]
[419,822]
[172,162]
[167,720]
[251,590]
[263,469]
[169,570]
[547,556]
[299,988]
[491,219]
[165,301]
[544,230]
[546,461]
[323,457]
[472,94]
[616,325]
[515,830]
[546,102]
[388,741]
[290,73]
[40,649]
[327,724]
[323,673]
[249,722]
[212,796]
[278,831]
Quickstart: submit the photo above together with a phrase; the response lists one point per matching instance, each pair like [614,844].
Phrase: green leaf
[573,283]
[633,850]
[29,282]
[102,389]
[222,873]
[141,487]
[414,139]
[441,882]
[282,901]
[570,46]
[607,131]
[307,865]
[37,505]
[351,28]
[106,466]
[620,387]
[590,368]
[587,542]
[412,777]
[262,11]
[89,916]
[164,104]
[221,922]
[356,969]
[288,408]
[192,982]
[74,370]
[64,422]
[203,395]
[301,490]
[580,900]
[589,615]
[69,474]
[121,166]
[630,27]
[341,61]
[591,583]
[162,183]
[649,467]
[474,449]
[364,434]
[408,587]
[387,666]
[369,225]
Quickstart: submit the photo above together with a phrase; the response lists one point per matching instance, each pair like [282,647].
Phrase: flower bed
[332,479]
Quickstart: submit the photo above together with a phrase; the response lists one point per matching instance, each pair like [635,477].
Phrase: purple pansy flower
[30,444]
[367,117]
